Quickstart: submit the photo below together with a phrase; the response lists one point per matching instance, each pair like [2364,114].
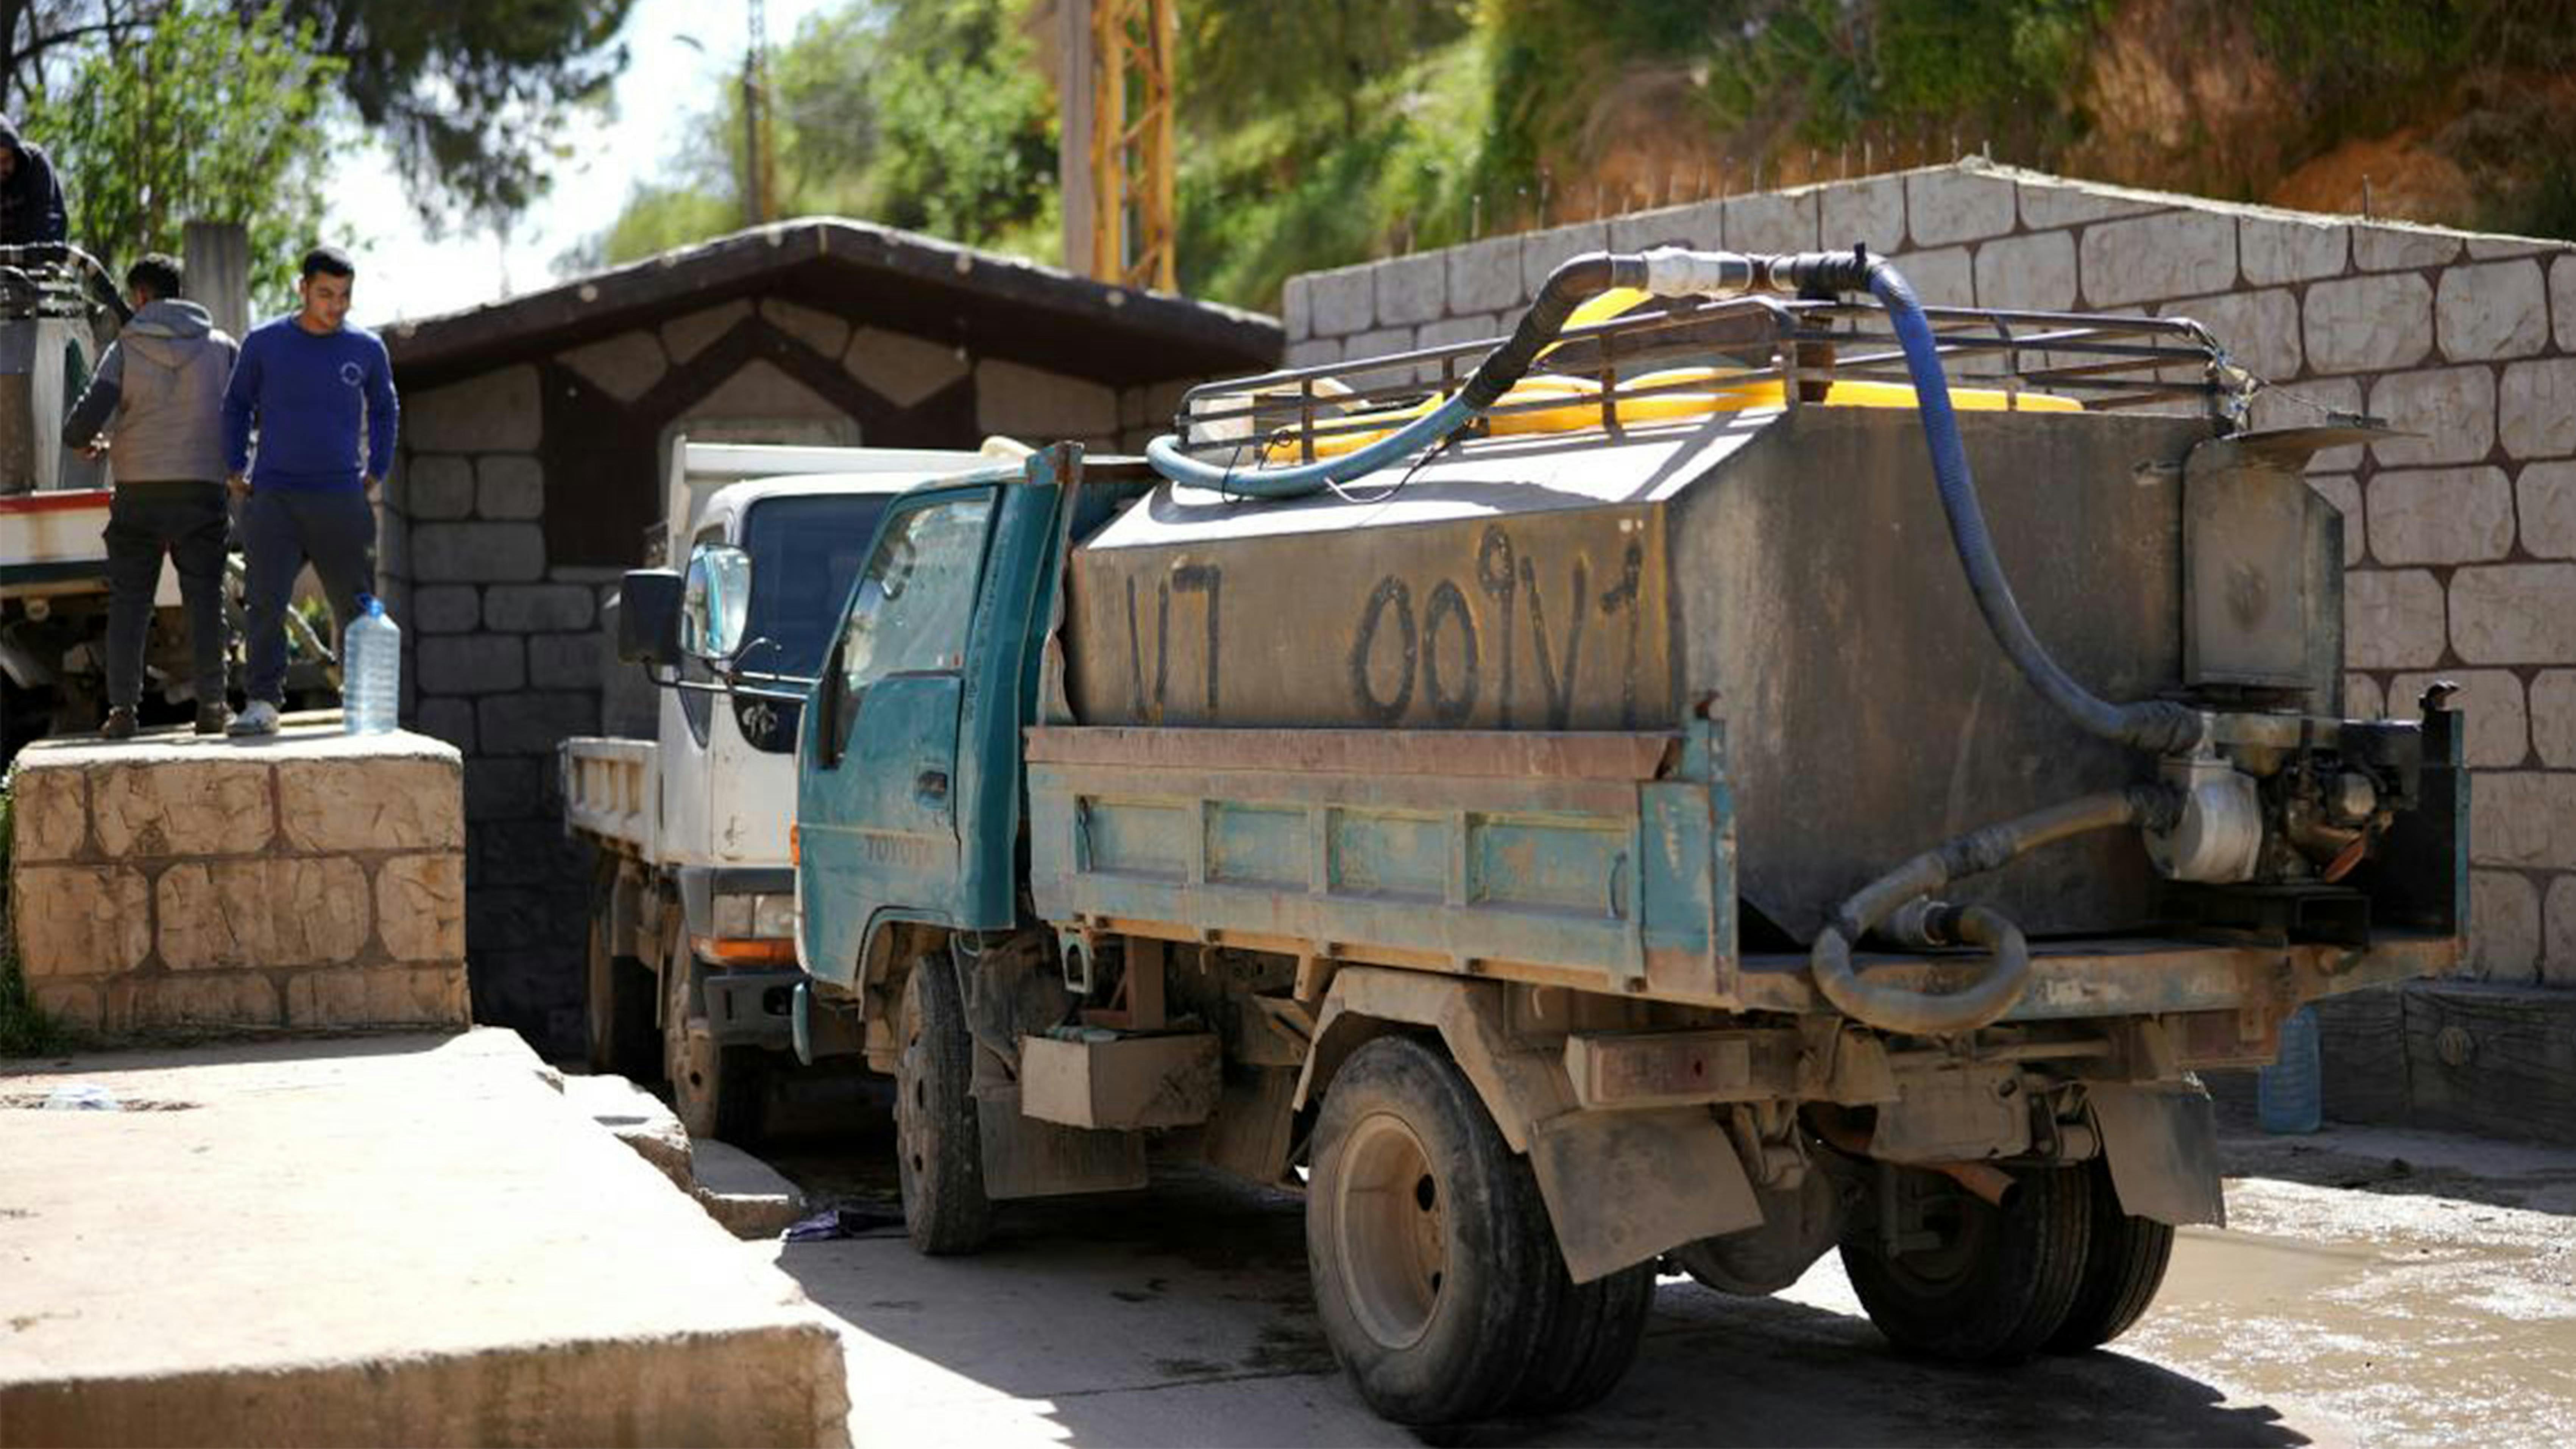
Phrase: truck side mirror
[715,601]
[648,618]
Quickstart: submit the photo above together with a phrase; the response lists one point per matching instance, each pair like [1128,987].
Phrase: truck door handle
[931,784]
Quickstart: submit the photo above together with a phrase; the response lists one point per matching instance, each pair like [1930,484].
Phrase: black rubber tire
[1489,1276]
[621,1036]
[2124,1265]
[938,1145]
[1589,1343]
[717,1091]
[1999,1287]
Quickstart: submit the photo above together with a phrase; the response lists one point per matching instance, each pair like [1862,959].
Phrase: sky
[403,274]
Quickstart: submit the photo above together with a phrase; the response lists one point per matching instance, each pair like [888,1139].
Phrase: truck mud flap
[1624,1186]
[1024,1157]
[2162,1141]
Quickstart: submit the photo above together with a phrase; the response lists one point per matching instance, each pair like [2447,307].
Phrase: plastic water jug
[371,680]
[2289,1095]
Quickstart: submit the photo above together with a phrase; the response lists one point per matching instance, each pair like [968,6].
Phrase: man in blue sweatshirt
[320,395]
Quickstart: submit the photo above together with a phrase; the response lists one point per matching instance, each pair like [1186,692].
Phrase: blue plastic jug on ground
[2289,1095]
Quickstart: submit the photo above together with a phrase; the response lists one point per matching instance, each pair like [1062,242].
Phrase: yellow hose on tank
[1582,397]
[1579,405]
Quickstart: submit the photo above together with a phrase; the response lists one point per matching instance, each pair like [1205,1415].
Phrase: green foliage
[924,114]
[656,218]
[469,95]
[1243,60]
[1280,195]
[1949,59]
[201,116]
[1319,133]
[965,123]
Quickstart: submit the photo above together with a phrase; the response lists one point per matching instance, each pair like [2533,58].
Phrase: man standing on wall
[156,402]
[320,394]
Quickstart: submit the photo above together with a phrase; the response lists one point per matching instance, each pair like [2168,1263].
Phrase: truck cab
[692,937]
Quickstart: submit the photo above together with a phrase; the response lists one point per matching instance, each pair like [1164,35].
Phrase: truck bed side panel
[1555,854]
[611,794]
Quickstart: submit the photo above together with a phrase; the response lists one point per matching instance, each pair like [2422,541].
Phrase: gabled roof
[993,305]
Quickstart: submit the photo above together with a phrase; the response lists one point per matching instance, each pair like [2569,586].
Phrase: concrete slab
[635,1117]
[742,1192]
[386,1240]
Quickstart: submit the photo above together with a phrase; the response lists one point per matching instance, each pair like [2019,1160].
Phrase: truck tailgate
[1579,858]
[612,793]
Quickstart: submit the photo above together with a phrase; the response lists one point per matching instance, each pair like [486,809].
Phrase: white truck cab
[692,954]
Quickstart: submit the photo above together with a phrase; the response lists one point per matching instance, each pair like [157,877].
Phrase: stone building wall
[2460,541]
[493,562]
[317,881]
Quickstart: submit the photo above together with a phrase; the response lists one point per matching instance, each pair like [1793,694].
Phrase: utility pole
[759,179]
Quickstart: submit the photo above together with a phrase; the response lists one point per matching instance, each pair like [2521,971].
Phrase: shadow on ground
[1183,1316]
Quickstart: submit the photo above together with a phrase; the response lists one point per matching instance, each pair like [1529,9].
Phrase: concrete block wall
[315,882]
[2460,541]
[502,653]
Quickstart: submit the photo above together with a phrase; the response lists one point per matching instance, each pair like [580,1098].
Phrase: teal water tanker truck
[1746,766]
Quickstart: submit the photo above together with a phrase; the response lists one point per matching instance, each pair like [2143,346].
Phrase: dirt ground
[2371,1287]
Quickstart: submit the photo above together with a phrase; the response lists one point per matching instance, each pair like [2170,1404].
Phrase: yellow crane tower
[1118,189]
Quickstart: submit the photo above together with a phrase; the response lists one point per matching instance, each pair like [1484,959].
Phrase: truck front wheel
[1968,1280]
[1432,1266]
[717,1091]
[937,1144]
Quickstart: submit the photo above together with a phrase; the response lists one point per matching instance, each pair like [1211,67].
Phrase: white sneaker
[259,719]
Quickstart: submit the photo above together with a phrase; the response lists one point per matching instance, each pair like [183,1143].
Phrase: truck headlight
[773,916]
[733,915]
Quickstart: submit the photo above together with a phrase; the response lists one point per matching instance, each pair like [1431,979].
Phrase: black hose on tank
[2157,726]
[1566,288]
[1575,281]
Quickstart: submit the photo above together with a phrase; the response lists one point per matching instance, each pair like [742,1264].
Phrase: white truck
[692,960]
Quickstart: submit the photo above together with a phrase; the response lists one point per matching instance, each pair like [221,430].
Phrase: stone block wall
[494,563]
[2460,539]
[315,882]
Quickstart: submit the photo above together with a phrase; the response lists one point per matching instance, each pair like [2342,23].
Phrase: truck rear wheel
[621,1037]
[1432,1266]
[1589,1341]
[717,1091]
[2124,1265]
[1990,1284]
[937,1143]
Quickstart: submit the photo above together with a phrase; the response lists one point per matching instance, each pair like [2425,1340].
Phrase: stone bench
[313,880]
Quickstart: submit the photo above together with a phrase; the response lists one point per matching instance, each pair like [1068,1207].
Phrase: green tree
[198,116]
[469,95]
[925,114]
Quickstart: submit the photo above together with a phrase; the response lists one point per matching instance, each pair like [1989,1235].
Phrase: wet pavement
[2371,1288]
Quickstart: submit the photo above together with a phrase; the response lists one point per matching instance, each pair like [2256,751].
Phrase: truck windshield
[804,552]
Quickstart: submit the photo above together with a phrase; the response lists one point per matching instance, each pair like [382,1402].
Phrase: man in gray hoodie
[155,407]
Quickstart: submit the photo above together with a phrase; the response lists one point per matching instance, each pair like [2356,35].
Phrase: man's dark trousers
[188,522]
[281,528]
